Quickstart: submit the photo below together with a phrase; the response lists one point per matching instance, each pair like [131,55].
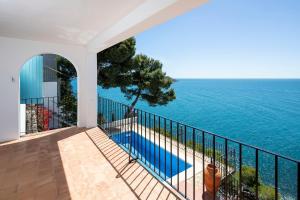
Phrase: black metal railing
[45,113]
[179,155]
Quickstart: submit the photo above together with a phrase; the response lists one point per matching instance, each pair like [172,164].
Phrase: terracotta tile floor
[73,163]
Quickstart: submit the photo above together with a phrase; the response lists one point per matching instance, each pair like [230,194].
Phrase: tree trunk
[131,107]
[134,102]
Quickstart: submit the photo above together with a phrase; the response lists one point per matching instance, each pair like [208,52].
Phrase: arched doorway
[48,94]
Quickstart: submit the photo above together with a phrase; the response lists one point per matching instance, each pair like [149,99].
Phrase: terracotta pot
[209,178]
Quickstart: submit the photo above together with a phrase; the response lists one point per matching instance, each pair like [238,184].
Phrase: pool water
[153,155]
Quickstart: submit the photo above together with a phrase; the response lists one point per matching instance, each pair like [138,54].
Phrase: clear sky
[229,39]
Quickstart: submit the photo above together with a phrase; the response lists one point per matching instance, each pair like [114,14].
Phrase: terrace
[145,156]
[106,154]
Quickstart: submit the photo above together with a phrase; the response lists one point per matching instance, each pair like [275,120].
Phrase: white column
[87,92]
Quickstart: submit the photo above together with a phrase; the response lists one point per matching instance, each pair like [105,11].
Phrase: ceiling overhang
[96,24]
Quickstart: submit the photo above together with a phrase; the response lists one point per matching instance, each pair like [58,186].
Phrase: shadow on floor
[137,178]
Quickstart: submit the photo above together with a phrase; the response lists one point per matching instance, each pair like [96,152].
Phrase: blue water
[264,113]
[157,158]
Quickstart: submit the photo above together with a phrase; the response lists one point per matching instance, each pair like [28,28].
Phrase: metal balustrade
[178,155]
[45,113]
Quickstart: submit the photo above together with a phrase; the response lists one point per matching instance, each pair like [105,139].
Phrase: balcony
[106,153]
[143,156]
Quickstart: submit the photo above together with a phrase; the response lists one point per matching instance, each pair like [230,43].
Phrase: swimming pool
[153,155]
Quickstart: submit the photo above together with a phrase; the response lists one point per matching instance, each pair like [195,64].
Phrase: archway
[48,93]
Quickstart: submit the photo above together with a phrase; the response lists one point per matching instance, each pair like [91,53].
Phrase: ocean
[260,112]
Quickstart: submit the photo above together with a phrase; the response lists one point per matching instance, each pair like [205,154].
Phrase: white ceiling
[81,21]
[73,21]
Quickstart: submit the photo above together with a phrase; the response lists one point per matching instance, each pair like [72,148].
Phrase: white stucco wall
[15,52]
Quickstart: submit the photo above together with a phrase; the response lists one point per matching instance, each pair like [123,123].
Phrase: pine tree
[138,76]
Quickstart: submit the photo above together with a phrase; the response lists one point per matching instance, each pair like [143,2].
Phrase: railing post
[141,129]
[194,166]
[154,149]
[149,131]
[298,180]
[37,114]
[139,123]
[31,115]
[145,129]
[226,167]
[43,114]
[185,163]
[103,112]
[121,122]
[134,132]
[214,164]
[130,116]
[159,145]
[256,173]
[276,177]
[171,147]
[203,163]
[165,151]
[53,124]
[240,171]
[177,155]
[48,111]
[58,113]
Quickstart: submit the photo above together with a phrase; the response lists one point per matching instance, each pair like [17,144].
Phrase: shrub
[198,147]
[162,132]
[248,174]
[267,192]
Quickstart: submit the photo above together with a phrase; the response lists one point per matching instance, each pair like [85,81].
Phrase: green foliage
[114,64]
[68,102]
[265,192]
[198,147]
[138,76]
[248,176]
[163,132]
[66,70]
[209,152]
[101,119]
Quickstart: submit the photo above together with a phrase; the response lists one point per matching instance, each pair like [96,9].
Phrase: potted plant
[209,178]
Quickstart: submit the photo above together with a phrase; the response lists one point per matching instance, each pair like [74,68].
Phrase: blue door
[31,78]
